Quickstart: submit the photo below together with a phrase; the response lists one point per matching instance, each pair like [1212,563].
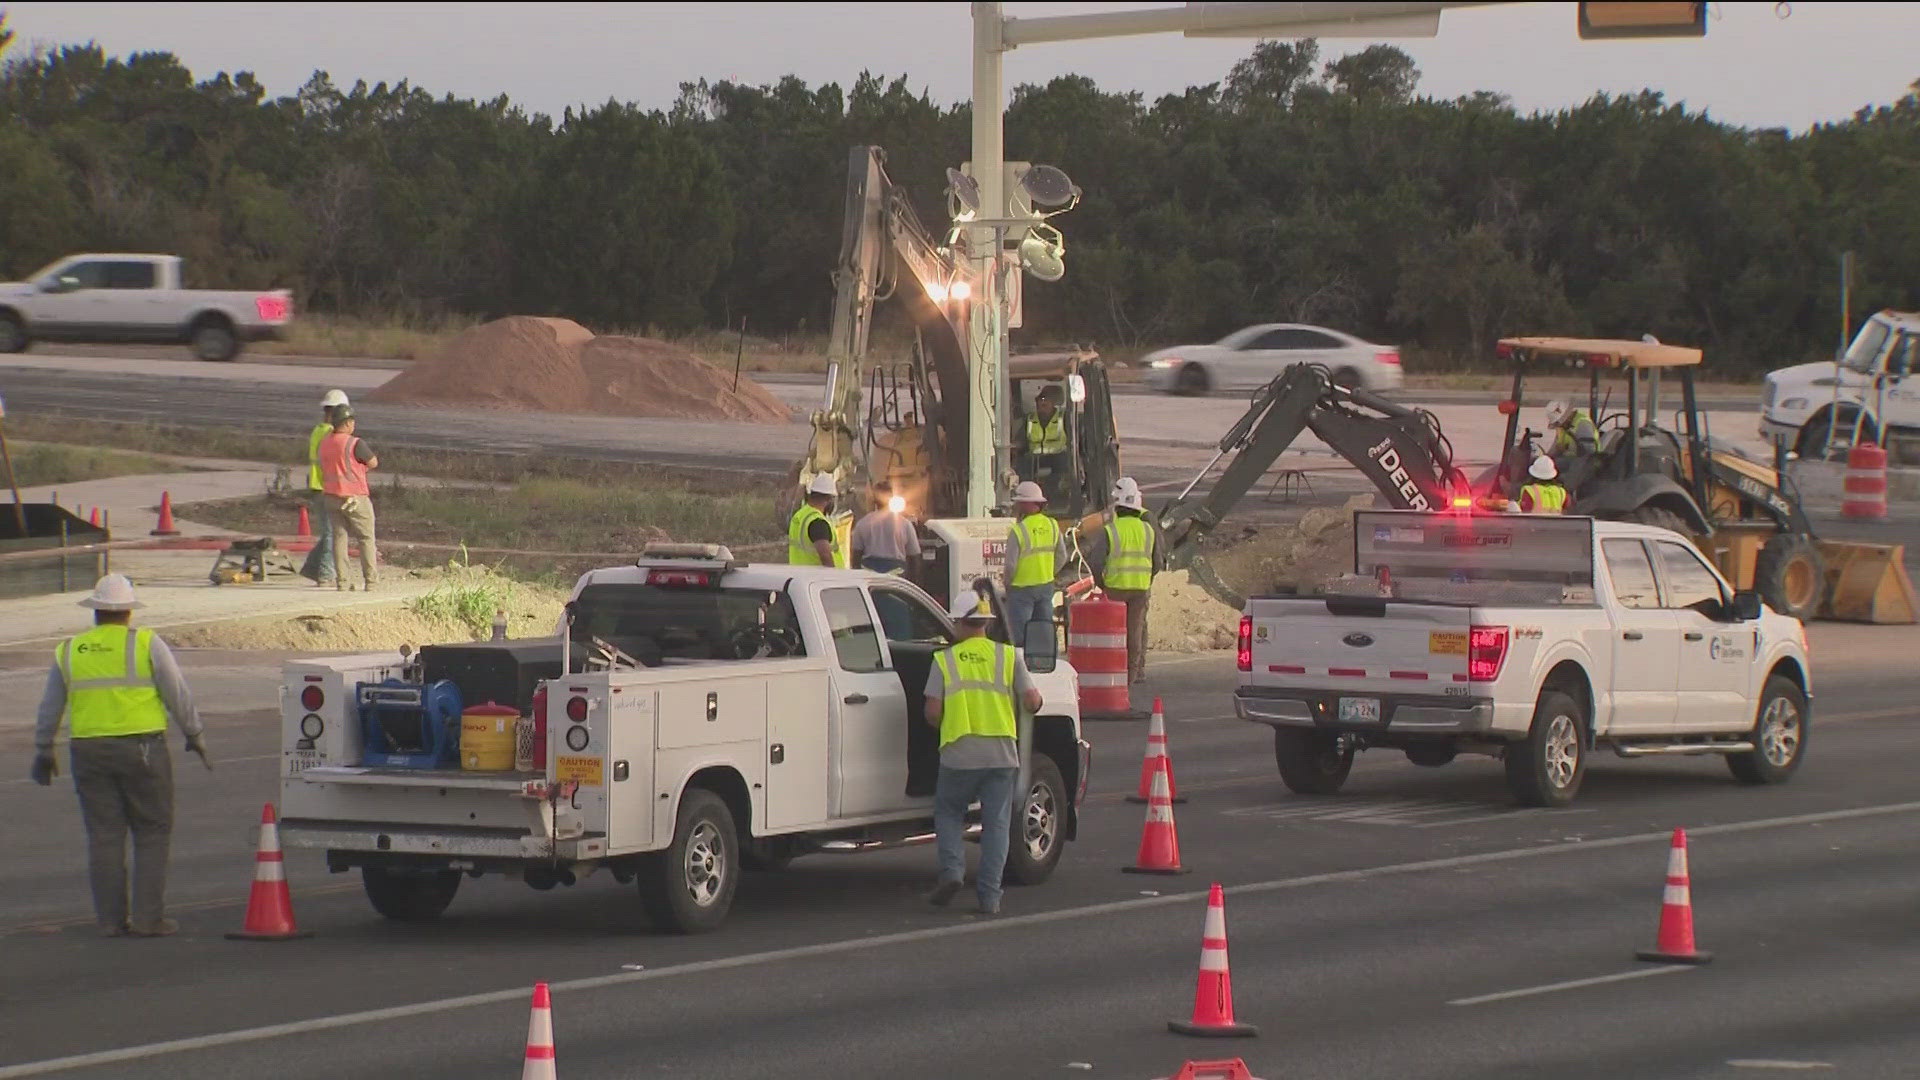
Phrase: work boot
[111,930]
[943,893]
[163,928]
[988,907]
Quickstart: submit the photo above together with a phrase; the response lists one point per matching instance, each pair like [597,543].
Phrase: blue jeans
[956,790]
[1027,603]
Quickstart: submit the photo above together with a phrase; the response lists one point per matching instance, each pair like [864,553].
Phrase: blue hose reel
[407,725]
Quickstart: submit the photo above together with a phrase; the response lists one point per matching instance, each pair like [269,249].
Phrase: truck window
[855,641]
[1864,353]
[903,618]
[129,275]
[654,623]
[1689,583]
[90,275]
[1633,581]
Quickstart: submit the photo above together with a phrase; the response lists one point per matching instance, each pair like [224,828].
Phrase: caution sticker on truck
[1447,642]
[584,770]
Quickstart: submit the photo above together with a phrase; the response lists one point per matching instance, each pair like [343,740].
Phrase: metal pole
[1846,327]
[740,350]
[984,317]
[19,512]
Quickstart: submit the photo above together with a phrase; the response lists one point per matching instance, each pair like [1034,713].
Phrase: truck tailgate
[1359,645]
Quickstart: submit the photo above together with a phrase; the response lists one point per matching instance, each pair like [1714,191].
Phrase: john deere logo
[1358,641]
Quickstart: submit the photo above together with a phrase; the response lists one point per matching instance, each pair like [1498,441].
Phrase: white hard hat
[1028,492]
[970,606]
[823,484]
[1124,485]
[1543,468]
[1555,410]
[333,398]
[112,593]
[1130,499]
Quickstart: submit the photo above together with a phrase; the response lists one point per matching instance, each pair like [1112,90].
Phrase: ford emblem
[1358,641]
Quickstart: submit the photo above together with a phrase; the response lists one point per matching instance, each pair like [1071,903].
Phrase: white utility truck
[1872,387]
[104,299]
[710,715]
[1534,639]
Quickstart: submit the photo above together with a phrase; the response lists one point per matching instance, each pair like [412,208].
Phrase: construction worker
[810,539]
[117,687]
[1035,550]
[319,563]
[1574,433]
[344,461]
[1544,495]
[1046,440]
[883,541]
[1124,556]
[971,698]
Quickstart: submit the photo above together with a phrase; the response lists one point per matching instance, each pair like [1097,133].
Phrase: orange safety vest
[340,474]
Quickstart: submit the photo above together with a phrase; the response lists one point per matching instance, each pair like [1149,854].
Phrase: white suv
[1797,402]
[1250,358]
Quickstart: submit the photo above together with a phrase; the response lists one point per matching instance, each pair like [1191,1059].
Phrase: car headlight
[1166,362]
[1792,403]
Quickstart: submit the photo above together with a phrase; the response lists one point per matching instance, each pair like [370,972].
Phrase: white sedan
[1250,358]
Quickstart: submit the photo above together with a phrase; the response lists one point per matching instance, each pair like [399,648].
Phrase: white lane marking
[1769,1063]
[936,933]
[1571,984]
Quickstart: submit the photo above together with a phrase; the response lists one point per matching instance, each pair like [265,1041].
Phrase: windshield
[654,624]
[1864,354]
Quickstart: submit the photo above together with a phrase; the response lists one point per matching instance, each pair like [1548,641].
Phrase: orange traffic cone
[1159,841]
[539,1064]
[1675,945]
[1229,1069]
[270,904]
[306,524]
[1156,759]
[165,527]
[93,517]
[1213,998]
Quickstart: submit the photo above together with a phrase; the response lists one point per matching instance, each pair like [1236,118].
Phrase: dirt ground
[532,611]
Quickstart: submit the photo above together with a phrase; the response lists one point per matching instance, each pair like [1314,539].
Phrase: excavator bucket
[1868,583]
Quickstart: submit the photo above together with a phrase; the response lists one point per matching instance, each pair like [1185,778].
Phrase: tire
[1311,762]
[1779,735]
[1192,381]
[1546,767]
[214,340]
[13,334]
[1039,826]
[1791,576]
[688,888]
[1349,378]
[1662,518]
[409,897]
[1811,444]
[1431,756]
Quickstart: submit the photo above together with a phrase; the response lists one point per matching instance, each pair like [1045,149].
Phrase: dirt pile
[1305,557]
[557,365]
[1183,617]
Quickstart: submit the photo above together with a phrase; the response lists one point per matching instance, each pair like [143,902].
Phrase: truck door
[1715,656]
[1646,665]
[869,709]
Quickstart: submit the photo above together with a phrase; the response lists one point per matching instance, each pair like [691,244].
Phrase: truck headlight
[1793,403]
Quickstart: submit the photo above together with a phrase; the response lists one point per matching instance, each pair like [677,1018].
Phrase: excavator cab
[1077,479]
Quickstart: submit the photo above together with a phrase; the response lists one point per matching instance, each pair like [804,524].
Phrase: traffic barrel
[1865,482]
[1675,943]
[1097,649]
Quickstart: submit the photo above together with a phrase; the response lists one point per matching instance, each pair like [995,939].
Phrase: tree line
[1292,190]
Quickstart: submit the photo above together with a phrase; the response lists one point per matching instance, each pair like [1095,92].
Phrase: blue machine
[407,725]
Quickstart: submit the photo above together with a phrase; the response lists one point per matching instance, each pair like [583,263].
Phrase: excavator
[904,421]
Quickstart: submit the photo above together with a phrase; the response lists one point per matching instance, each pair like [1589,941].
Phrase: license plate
[300,761]
[1359,710]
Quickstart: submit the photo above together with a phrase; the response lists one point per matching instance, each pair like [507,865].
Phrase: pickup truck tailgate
[1359,645]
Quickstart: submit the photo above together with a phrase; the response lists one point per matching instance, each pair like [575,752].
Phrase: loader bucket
[1868,583]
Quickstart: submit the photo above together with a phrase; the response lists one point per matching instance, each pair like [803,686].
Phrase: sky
[1761,64]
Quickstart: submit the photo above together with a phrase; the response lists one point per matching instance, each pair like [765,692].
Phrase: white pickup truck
[1529,638]
[104,299]
[740,715]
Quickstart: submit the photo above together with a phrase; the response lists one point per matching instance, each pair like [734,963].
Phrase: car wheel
[1546,767]
[1349,378]
[1039,825]
[1779,736]
[215,340]
[13,334]
[404,896]
[1192,380]
[1790,576]
[1311,762]
[688,888]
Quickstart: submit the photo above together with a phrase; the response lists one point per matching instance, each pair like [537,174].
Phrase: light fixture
[937,291]
[959,292]
[1049,188]
[1042,252]
[896,504]
[963,196]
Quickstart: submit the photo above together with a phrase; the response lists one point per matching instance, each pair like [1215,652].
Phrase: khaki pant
[1136,601]
[352,516]
[125,784]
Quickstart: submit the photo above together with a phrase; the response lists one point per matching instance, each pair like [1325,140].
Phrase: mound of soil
[631,376]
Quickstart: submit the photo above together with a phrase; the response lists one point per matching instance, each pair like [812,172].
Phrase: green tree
[1378,73]
[1274,75]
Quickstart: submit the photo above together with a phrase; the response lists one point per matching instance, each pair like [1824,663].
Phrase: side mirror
[1076,389]
[1746,606]
[1041,646]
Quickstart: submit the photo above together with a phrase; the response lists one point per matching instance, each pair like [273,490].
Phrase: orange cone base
[1228,1069]
[1212,1031]
[1658,957]
[291,935]
[1167,870]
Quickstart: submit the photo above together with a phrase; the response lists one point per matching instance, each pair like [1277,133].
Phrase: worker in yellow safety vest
[1035,550]
[971,698]
[1574,433]
[319,563]
[810,537]
[1544,495]
[1046,442]
[1124,556]
[117,687]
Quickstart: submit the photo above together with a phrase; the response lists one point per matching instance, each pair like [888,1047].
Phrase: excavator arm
[1401,450]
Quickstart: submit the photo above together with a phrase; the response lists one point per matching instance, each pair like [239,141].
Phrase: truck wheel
[1779,736]
[1790,576]
[214,339]
[1349,378]
[1546,767]
[13,334]
[410,897]
[1039,823]
[1311,762]
[1660,518]
[1192,380]
[688,888]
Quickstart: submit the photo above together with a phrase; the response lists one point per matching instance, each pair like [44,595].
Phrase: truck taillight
[577,709]
[679,578]
[272,308]
[1243,654]
[1390,357]
[1486,651]
[312,698]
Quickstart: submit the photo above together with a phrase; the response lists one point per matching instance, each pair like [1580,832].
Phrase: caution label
[1447,642]
[584,770]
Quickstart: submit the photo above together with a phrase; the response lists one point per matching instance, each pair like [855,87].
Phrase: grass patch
[380,339]
[37,463]
[468,598]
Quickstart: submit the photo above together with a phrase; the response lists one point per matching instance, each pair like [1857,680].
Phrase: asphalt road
[1417,925]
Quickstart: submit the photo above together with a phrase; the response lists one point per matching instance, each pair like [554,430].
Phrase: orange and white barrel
[1097,649]
[1865,483]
